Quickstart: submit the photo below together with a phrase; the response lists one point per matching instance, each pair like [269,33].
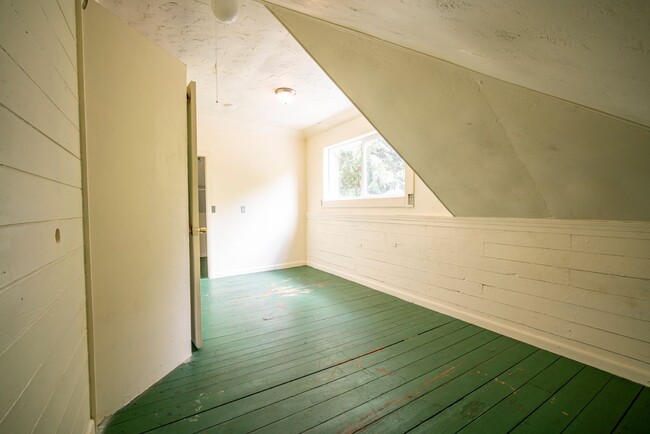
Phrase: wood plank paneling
[25,301]
[68,12]
[43,31]
[25,50]
[29,406]
[610,284]
[79,398]
[626,266]
[32,104]
[64,33]
[578,288]
[28,198]
[21,142]
[26,354]
[43,341]
[57,402]
[80,424]
[638,248]
[26,248]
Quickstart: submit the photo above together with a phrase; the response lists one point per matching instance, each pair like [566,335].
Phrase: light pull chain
[216,69]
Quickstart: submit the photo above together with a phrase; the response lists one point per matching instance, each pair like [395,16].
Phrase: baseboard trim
[258,269]
[546,342]
[90,427]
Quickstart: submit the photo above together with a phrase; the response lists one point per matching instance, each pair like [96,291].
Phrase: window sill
[382,202]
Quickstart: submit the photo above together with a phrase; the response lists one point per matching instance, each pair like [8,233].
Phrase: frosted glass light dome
[226,11]
[285,94]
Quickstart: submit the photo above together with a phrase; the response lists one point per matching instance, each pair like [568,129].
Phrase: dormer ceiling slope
[594,53]
[504,109]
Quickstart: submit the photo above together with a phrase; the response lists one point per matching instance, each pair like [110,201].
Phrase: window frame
[365,202]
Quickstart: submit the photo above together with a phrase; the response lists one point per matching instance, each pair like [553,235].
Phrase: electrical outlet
[411,199]
[243,209]
[214,209]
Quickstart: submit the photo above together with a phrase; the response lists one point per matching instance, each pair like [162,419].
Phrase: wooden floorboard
[300,350]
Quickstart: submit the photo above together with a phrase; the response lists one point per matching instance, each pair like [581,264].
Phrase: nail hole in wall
[57,235]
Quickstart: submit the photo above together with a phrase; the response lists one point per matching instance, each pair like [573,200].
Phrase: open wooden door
[134,156]
[195,229]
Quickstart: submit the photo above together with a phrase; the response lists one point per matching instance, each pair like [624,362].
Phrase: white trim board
[241,271]
[90,427]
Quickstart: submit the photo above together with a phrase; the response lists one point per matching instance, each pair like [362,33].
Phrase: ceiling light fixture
[285,94]
[225,11]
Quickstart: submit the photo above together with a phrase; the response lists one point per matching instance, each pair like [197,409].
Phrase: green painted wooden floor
[301,350]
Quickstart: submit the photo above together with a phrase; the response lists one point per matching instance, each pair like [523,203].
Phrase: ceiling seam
[514,150]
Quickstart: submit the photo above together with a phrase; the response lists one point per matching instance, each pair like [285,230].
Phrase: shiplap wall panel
[30,404]
[623,306]
[639,248]
[54,409]
[22,47]
[550,241]
[67,8]
[26,354]
[79,398]
[43,31]
[596,319]
[80,419]
[610,284]
[64,33]
[29,198]
[581,289]
[626,266]
[21,142]
[43,341]
[28,101]
[24,252]
[23,302]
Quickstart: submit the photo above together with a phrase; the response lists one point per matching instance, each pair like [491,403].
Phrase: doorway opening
[203,219]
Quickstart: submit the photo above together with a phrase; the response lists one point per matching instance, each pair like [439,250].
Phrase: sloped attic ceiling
[592,52]
[487,147]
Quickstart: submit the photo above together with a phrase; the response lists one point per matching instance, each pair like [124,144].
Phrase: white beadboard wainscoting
[577,288]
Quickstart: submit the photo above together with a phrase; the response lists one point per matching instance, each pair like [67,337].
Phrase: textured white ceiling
[593,52]
[255,56]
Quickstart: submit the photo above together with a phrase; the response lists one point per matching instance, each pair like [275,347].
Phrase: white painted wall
[578,288]
[43,343]
[136,156]
[263,169]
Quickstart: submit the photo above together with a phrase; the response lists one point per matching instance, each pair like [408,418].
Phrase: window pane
[385,172]
[347,166]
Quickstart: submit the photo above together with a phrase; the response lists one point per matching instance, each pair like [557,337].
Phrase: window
[365,172]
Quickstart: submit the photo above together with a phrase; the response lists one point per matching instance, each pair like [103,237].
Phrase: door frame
[193,213]
[204,154]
